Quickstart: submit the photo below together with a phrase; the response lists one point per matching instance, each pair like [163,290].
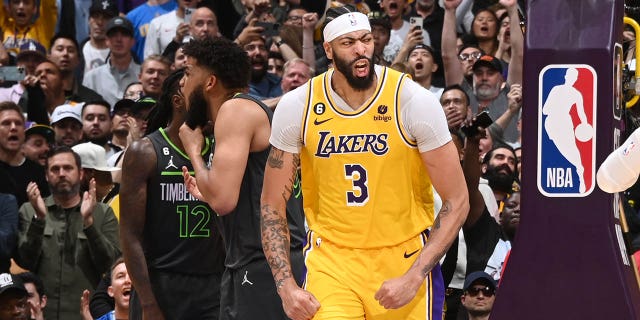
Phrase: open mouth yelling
[13,141]
[393,9]
[361,68]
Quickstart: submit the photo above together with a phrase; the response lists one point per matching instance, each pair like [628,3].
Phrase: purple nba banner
[566,130]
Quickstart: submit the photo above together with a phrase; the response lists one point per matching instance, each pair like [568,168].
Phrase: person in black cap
[479,295]
[140,112]
[120,122]
[13,298]
[95,49]
[112,78]
[38,140]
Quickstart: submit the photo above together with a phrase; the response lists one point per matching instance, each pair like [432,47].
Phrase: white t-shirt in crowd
[93,57]
[162,30]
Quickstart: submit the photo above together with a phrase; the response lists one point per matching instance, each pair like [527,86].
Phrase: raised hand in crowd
[85,314]
[135,132]
[455,117]
[309,21]
[414,37]
[260,7]
[182,31]
[508,3]
[88,204]
[515,97]
[30,81]
[451,4]
[33,192]
[251,31]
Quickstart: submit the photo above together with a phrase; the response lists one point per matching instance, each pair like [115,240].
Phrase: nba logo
[566,130]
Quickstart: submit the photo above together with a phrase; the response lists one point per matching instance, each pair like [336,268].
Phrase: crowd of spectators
[92,71]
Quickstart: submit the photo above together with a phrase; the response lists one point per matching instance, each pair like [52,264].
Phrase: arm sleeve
[34,101]
[8,228]
[88,80]
[101,303]
[621,168]
[287,120]
[151,45]
[423,117]
[464,16]
[239,26]
[47,19]
[30,236]
[104,246]
[481,239]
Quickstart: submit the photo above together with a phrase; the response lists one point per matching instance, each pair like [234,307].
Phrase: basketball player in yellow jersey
[370,143]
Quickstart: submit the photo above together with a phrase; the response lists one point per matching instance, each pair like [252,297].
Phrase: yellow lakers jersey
[40,31]
[364,184]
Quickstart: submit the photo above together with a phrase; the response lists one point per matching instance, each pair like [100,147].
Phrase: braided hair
[162,114]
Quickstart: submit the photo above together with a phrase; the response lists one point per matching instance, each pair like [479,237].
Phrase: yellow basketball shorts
[345,280]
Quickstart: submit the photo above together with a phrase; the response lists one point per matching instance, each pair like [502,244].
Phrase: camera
[270,29]
[12,73]
[481,119]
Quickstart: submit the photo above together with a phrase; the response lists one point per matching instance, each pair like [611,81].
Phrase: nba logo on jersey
[566,130]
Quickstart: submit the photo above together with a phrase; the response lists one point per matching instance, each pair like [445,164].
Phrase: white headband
[343,24]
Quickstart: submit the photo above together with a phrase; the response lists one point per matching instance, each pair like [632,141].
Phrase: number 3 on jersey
[359,195]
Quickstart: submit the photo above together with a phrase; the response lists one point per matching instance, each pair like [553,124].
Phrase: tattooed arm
[446,175]
[276,190]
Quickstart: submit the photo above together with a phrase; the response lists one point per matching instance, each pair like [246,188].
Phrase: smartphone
[187,15]
[270,29]
[197,116]
[12,73]
[481,119]
[415,22]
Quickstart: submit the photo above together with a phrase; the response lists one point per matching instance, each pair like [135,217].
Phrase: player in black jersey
[172,247]
[216,77]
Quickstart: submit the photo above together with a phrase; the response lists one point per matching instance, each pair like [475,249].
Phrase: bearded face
[500,177]
[347,68]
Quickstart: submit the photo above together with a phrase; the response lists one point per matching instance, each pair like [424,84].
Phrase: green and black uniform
[248,289]
[182,246]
